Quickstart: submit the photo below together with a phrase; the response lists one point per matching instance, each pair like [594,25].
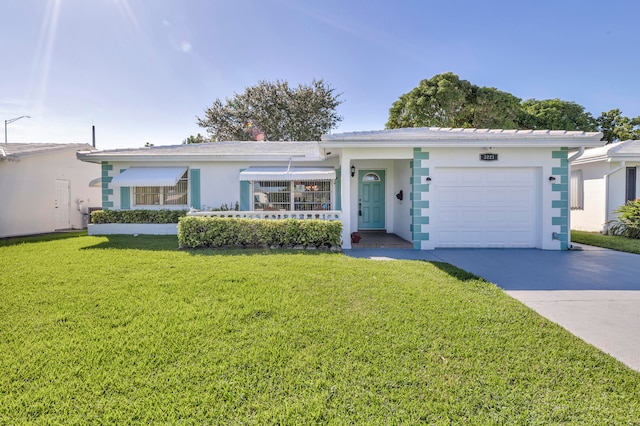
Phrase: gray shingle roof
[218,150]
[622,150]
[431,133]
[17,150]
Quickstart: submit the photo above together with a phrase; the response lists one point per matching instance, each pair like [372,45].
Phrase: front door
[371,199]
[62,204]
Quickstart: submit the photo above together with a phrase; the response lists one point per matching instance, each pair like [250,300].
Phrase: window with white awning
[291,188]
[149,176]
[288,173]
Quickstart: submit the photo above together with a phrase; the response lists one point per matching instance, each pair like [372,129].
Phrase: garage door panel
[486,207]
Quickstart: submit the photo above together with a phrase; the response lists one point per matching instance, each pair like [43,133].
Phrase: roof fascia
[461,143]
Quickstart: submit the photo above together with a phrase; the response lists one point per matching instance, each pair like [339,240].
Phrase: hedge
[137,216]
[217,232]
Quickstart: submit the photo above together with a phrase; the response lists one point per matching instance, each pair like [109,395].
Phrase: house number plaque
[488,157]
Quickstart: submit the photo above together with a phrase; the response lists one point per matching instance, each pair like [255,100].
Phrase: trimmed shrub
[137,216]
[628,223]
[219,232]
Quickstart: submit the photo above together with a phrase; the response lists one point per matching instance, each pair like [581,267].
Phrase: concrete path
[594,293]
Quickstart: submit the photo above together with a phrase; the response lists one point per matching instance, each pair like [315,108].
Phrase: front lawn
[122,330]
[607,241]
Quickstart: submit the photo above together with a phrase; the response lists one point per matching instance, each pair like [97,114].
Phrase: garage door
[494,207]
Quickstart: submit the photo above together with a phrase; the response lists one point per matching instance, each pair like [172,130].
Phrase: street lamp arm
[15,119]
[11,120]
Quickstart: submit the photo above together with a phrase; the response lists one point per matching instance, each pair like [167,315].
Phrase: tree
[491,108]
[437,102]
[194,139]
[446,101]
[274,111]
[556,114]
[617,127]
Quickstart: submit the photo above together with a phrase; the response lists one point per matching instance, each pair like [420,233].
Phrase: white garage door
[494,207]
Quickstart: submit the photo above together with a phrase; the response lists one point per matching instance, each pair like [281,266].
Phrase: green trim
[195,188]
[338,200]
[245,195]
[419,222]
[561,171]
[125,198]
[559,154]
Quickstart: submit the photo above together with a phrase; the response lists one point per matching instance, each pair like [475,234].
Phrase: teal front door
[371,199]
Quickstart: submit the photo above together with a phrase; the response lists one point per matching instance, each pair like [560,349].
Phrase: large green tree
[447,101]
[617,127]
[274,111]
[194,139]
[555,114]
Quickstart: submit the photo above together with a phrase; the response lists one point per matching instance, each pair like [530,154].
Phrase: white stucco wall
[401,209]
[27,190]
[602,195]
[592,217]
[219,182]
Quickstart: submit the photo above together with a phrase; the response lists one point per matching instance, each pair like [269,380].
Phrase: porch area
[380,239]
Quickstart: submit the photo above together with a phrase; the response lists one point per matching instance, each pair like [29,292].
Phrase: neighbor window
[631,184]
[163,195]
[577,190]
[292,195]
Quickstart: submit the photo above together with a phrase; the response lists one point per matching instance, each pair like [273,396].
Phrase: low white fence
[268,214]
[172,228]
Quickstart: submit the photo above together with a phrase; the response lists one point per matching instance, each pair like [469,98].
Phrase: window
[577,190]
[630,190]
[300,195]
[371,177]
[163,195]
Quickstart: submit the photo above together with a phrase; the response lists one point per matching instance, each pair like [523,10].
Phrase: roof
[439,136]
[312,150]
[232,150]
[15,151]
[618,151]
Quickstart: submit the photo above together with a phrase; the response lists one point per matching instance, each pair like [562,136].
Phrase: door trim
[382,174]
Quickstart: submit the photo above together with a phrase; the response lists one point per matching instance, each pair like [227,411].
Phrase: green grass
[124,330]
[607,241]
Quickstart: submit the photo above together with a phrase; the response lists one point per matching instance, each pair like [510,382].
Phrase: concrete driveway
[594,293]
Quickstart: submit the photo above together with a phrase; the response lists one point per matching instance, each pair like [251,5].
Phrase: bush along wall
[217,232]
[137,216]
[628,222]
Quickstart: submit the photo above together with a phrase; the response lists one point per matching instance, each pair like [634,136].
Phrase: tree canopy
[194,139]
[617,127]
[274,111]
[556,114]
[447,101]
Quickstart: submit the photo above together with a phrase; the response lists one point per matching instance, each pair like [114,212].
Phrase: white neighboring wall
[28,192]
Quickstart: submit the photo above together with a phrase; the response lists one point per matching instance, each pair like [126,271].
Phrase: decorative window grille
[577,190]
[302,195]
[163,195]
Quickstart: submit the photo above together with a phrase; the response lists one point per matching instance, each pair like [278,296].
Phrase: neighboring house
[602,180]
[431,186]
[44,188]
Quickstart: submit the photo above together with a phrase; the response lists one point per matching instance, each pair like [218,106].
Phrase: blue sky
[142,70]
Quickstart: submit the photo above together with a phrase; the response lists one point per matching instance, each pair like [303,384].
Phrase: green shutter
[125,198]
[338,200]
[195,188]
[245,195]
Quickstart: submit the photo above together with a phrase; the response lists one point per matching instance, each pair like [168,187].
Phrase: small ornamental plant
[628,222]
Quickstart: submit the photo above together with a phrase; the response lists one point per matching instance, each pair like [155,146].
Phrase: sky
[143,70]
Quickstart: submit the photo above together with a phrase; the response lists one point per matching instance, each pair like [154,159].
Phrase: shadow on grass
[12,241]
[454,271]
[170,243]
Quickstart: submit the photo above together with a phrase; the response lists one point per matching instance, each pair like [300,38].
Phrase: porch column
[345,187]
